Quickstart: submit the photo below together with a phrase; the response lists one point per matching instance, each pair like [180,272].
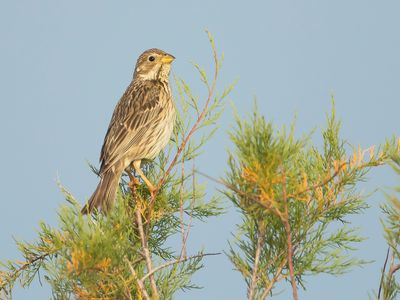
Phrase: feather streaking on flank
[140,127]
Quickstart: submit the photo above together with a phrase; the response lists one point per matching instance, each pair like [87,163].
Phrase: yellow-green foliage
[125,254]
[285,186]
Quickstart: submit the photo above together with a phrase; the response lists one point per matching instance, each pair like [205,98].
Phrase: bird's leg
[133,181]
[136,166]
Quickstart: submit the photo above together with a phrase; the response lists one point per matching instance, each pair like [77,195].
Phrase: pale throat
[161,73]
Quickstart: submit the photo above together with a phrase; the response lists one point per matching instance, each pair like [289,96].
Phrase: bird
[140,127]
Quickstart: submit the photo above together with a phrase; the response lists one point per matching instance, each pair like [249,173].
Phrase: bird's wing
[132,117]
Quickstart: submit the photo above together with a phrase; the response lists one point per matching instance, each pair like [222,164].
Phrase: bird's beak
[167,59]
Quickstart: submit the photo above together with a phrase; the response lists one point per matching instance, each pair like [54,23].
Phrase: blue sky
[64,65]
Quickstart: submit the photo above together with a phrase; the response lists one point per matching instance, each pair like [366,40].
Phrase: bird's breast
[162,130]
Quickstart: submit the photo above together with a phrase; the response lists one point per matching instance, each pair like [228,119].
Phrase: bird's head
[153,64]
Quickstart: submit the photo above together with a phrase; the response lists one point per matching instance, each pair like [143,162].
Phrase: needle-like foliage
[124,254]
[389,288]
[295,200]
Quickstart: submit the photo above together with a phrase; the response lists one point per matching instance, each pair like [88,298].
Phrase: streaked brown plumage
[140,127]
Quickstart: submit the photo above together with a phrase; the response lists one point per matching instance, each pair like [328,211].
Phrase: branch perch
[254,277]
[146,253]
[289,237]
[173,262]
[211,90]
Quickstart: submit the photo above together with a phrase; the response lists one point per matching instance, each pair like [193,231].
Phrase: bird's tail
[104,196]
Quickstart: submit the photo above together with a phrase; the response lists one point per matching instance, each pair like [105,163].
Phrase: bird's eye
[151,58]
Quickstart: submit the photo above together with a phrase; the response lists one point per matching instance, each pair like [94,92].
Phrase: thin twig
[146,252]
[290,246]
[139,282]
[393,269]
[289,237]
[323,183]
[232,188]
[254,277]
[194,127]
[274,260]
[15,274]
[181,205]
[173,262]
[290,260]
[183,251]
[143,239]
[278,273]
[383,273]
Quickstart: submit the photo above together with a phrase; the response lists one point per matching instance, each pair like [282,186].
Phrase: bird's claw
[153,192]
[133,183]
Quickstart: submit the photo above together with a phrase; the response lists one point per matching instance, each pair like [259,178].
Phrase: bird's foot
[153,191]
[133,183]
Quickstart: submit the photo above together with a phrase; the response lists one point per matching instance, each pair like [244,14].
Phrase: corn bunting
[140,127]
